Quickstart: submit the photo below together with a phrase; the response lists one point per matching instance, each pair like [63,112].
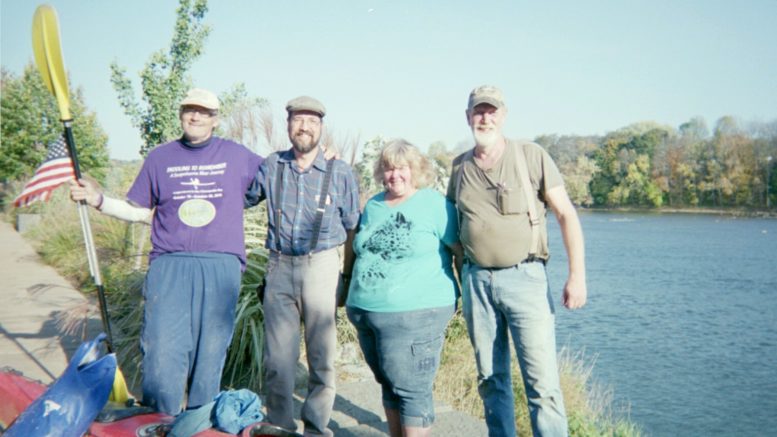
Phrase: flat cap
[486,94]
[306,103]
[201,97]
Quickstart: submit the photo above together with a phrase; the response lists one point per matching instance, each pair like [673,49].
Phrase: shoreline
[731,212]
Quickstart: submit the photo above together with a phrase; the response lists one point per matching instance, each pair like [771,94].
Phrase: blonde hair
[398,153]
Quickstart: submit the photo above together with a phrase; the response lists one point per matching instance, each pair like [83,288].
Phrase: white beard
[486,139]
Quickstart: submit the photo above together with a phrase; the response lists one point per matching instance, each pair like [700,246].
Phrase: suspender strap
[321,204]
[459,176]
[278,214]
[534,219]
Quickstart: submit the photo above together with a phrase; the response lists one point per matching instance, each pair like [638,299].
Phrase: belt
[532,259]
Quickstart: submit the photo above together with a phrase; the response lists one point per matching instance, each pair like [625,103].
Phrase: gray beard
[301,148]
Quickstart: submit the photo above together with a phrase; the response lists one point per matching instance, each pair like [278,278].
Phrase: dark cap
[306,103]
[486,94]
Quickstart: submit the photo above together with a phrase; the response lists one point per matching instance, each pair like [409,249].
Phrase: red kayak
[17,392]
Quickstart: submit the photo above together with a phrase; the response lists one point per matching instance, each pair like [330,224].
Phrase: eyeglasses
[305,119]
[203,112]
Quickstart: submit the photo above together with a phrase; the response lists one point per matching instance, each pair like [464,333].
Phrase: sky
[405,68]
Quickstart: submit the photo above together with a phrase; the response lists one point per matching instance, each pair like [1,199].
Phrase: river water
[681,321]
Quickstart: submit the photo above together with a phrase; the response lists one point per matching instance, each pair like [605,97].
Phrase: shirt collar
[319,162]
[201,145]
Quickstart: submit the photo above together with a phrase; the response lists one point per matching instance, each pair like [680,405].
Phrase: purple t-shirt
[198,196]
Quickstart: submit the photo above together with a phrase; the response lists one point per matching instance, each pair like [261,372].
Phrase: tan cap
[306,103]
[201,97]
[486,94]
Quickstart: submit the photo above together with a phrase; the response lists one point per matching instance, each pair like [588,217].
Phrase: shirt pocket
[330,211]
[511,201]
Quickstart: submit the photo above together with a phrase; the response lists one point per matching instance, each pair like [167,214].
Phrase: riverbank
[729,212]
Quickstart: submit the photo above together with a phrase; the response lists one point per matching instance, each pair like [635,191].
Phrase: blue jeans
[516,299]
[188,319]
[403,350]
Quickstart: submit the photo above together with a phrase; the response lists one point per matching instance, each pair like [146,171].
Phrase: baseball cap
[306,103]
[201,97]
[486,94]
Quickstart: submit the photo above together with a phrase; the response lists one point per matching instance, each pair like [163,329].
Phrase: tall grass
[589,406]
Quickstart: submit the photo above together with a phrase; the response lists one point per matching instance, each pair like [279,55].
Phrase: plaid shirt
[299,198]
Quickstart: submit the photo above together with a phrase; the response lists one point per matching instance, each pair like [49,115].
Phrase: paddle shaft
[86,228]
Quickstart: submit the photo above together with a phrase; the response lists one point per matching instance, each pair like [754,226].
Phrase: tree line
[651,165]
[641,165]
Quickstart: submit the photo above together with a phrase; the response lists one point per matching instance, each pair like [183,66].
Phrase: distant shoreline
[730,212]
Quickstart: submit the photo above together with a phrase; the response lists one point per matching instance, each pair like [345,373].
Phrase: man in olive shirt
[504,283]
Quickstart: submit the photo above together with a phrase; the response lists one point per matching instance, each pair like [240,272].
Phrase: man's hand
[87,191]
[575,293]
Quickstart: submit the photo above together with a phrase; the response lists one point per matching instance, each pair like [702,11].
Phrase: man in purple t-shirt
[191,192]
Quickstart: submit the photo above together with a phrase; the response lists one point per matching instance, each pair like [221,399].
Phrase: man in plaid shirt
[313,207]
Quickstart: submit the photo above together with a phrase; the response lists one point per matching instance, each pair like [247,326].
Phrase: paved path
[33,300]
[34,297]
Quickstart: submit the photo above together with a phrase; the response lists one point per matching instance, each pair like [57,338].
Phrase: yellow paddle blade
[48,56]
[119,392]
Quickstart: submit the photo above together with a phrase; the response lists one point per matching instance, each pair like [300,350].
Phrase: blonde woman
[402,292]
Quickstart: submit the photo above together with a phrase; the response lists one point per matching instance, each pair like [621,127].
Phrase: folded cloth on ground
[231,411]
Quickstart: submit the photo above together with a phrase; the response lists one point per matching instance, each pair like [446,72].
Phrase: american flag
[56,169]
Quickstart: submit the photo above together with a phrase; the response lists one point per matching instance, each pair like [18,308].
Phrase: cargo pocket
[426,354]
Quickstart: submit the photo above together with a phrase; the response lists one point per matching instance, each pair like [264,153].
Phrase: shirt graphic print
[196,187]
[390,242]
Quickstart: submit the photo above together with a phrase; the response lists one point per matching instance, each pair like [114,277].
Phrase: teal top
[402,263]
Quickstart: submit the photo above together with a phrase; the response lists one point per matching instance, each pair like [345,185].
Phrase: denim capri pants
[403,350]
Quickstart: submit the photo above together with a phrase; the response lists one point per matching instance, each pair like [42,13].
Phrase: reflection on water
[681,317]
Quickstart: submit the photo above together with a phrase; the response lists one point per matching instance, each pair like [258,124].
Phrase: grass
[589,406]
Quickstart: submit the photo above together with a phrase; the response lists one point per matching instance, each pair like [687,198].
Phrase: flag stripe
[49,184]
[56,169]
[44,177]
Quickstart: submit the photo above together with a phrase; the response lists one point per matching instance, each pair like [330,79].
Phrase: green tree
[364,169]
[765,146]
[30,121]
[685,159]
[736,156]
[164,79]
[627,176]
[577,179]
[566,149]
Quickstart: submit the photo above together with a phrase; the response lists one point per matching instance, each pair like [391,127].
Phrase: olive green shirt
[494,225]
